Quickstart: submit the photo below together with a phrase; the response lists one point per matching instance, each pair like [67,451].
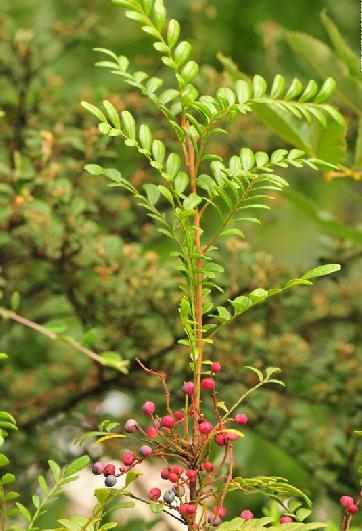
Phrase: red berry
[152,432]
[205,427]
[188,388]
[215,367]
[286,520]
[109,470]
[173,477]
[177,469]
[123,470]
[220,439]
[183,509]
[246,515]
[221,511]
[241,418]
[208,467]
[352,508]
[191,475]
[346,500]
[145,450]
[168,421]
[191,510]
[155,493]
[208,383]
[128,458]
[148,408]
[179,415]
[165,473]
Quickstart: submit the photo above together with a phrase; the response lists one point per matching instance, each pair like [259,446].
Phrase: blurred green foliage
[77,252]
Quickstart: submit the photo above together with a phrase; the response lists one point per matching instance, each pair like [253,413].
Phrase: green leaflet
[327,63]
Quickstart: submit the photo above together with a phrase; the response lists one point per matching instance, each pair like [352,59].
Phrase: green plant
[244,184]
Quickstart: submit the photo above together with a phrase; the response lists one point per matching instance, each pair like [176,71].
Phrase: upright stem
[198,288]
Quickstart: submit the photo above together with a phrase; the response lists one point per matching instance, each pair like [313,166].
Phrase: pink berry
[241,418]
[145,450]
[98,468]
[232,436]
[246,515]
[155,493]
[346,500]
[131,426]
[128,458]
[221,511]
[205,427]
[188,388]
[286,520]
[215,367]
[165,473]
[352,508]
[168,421]
[148,408]
[179,415]
[152,432]
[215,521]
[208,467]
[220,439]
[109,470]
[208,383]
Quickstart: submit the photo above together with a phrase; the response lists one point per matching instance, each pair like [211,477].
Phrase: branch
[8,314]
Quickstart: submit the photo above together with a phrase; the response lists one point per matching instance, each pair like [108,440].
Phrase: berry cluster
[349,503]
[183,441]
[351,507]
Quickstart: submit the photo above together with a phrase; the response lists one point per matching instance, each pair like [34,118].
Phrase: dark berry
[110,481]
[169,496]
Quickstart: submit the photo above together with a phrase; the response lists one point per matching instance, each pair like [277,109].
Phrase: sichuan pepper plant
[188,188]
